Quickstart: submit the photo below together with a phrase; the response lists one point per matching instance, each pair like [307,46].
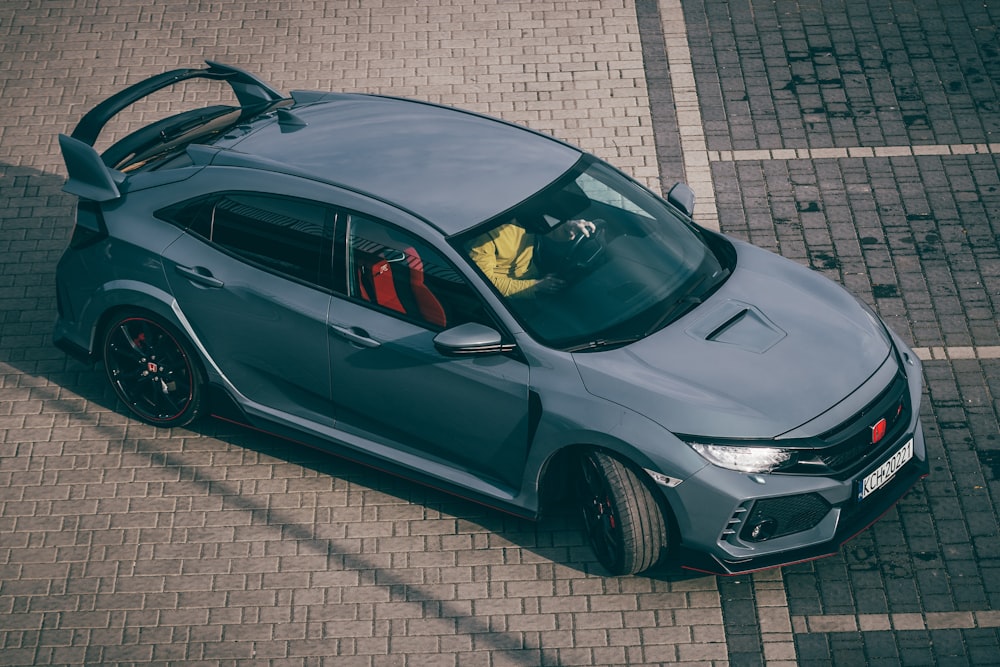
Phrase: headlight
[744,459]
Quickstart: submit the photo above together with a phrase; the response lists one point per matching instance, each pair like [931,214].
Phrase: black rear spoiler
[90,177]
[250,91]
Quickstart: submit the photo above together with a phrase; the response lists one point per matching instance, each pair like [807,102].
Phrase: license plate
[885,472]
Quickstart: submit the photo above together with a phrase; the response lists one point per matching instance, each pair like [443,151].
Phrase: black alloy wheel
[623,520]
[152,371]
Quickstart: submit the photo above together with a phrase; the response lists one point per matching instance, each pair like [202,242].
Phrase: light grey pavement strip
[951,620]
[776,636]
[777,627]
[694,147]
[852,152]
[939,353]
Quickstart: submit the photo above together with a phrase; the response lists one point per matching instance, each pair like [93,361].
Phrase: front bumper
[714,543]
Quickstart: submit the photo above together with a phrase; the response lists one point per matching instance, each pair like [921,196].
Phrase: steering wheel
[585,252]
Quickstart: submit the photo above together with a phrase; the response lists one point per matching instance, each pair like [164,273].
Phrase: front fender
[626,434]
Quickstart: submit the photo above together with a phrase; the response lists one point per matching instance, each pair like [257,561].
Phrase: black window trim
[342,235]
[323,282]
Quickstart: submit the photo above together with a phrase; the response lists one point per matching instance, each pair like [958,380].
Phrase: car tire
[624,522]
[152,369]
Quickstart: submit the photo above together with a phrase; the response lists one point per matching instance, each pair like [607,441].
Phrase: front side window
[395,271]
[594,260]
[286,235]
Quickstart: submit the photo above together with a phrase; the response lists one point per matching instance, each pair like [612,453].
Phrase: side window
[286,235]
[397,271]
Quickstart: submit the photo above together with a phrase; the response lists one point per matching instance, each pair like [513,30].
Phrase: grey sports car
[479,307]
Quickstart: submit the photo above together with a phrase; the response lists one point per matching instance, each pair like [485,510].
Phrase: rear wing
[250,91]
[90,177]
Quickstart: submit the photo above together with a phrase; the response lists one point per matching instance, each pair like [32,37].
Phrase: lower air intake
[776,517]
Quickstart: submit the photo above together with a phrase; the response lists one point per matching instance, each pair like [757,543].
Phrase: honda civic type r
[482,308]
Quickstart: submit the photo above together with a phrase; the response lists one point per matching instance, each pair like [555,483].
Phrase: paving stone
[225,546]
[899,231]
[120,543]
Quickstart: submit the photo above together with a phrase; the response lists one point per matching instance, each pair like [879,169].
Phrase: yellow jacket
[504,255]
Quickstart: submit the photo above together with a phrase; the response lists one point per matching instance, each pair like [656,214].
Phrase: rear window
[163,143]
[283,234]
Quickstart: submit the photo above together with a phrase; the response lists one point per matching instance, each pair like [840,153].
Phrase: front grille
[842,452]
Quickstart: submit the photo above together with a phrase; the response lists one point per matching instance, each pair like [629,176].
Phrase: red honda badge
[878,430]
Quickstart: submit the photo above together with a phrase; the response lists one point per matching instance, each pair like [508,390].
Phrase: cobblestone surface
[120,543]
[913,235]
[123,544]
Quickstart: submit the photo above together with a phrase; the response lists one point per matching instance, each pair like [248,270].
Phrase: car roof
[451,167]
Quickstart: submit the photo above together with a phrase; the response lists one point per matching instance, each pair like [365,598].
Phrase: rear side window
[283,234]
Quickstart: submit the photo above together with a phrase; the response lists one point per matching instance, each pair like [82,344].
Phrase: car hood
[776,346]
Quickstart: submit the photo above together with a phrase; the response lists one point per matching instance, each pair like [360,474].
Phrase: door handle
[199,275]
[355,335]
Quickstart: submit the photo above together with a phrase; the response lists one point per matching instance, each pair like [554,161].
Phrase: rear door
[251,275]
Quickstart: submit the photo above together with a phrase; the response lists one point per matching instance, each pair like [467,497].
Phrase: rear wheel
[153,371]
[624,522]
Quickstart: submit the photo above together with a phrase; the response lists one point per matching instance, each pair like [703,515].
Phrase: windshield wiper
[684,304]
[677,309]
[603,342]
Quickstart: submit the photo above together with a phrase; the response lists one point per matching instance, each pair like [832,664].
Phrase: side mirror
[682,196]
[470,338]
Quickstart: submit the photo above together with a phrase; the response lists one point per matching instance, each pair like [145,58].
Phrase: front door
[391,383]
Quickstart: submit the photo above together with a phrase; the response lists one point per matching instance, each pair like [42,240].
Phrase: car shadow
[557,537]
[34,230]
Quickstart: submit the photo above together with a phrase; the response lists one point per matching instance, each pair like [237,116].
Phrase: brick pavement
[861,139]
[123,544]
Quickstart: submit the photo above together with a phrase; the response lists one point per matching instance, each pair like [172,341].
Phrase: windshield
[594,261]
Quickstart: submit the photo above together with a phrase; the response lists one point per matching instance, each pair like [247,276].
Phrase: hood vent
[739,324]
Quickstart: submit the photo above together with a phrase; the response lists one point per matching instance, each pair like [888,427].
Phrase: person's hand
[550,284]
[571,230]
[585,227]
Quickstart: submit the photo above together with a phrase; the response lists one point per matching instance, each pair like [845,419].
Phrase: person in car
[506,254]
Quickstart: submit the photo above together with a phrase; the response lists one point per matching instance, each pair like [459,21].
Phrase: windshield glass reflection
[594,260]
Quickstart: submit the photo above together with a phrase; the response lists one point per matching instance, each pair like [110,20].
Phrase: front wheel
[624,522]
[153,371]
